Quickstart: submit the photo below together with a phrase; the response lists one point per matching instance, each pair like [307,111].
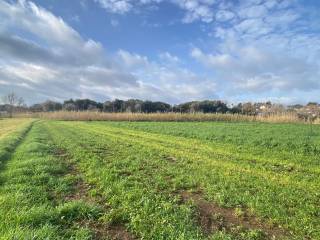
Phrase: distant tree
[68,101]
[277,108]
[296,106]
[51,106]
[206,106]
[147,107]
[268,104]
[87,104]
[235,109]
[118,105]
[133,105]
[36,108]
[248,108]
[186,107]
[69,106]
[213,107]
[161,107]
[108,106]
[13,102]
[312,104]
[151,107]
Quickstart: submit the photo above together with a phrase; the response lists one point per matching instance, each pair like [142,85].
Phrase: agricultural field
[159,180]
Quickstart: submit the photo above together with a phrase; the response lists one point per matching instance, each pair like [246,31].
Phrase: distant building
[309,111]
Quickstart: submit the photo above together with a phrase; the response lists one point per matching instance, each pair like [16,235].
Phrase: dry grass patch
[166,117]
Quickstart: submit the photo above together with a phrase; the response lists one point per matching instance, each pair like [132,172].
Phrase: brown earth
[101,230]
[213,218]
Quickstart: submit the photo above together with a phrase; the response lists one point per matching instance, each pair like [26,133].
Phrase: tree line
[131,105]
[13,103]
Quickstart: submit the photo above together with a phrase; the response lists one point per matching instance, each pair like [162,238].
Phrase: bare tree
[12,101]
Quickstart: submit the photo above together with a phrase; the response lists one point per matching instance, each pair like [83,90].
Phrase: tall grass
[316,121]
[178,117]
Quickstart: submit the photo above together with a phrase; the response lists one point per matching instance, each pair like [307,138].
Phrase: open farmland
[159,180]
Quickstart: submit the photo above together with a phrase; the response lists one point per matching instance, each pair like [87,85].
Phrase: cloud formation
[57,63]
[265,49]
[174,81]
[265,46]
[248,50]
[194,9]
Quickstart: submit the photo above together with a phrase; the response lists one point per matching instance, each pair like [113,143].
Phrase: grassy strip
[9,126]
[139,183]
[133,202]
[285,202]
[82,191]
[31,194]
[284,140]
[206,155]
[275,165]
[272,196]
[12,137]
[167,117]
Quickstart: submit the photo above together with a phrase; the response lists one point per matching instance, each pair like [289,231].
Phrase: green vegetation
[11,132]
[8,126]
[32,195]
[151,180]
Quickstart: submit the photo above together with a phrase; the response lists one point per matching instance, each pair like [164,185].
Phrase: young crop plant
[35,193]
[127,165]
[152,180]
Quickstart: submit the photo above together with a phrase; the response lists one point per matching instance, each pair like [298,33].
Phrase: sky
[161,50]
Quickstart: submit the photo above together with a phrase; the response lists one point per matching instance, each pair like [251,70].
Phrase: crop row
[97,180]
[138,170]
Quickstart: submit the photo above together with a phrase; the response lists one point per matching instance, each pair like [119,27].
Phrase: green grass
[11,132]
[32,185]
[8,126]
[138,171]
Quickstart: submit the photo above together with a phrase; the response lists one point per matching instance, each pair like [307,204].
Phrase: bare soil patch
[213,218]
[81,192]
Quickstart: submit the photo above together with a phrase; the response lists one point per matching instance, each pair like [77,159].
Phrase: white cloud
[255,27]
[29,72]
[75,18]
[255,11]
[62,64]
[175,82]
[217,60]
[39,22]
[116,6]
[114,23]
[253,68]
[223,15]
[259,48]
[132,60]
[54,65]
[194,9]
[263,53]
[166,57]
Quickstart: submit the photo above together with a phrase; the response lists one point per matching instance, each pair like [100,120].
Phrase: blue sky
[167,50]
